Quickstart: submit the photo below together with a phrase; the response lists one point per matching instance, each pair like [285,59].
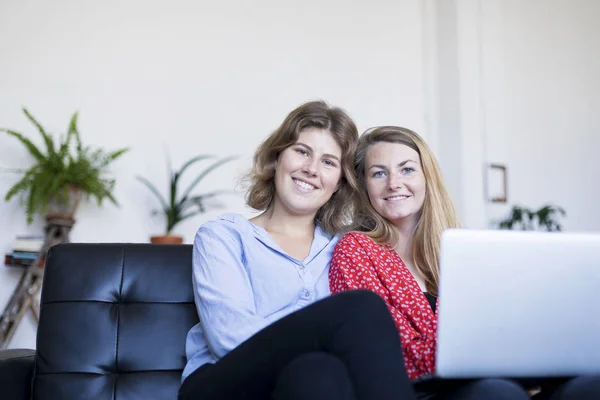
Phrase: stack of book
[25,250]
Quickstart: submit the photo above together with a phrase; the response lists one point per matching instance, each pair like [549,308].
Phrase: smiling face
[308,173]
[395,183]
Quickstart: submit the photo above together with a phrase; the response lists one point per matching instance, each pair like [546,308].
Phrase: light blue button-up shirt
[243,281]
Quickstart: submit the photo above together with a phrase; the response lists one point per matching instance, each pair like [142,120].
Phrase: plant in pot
[546,218]
[180,205]
[61,175]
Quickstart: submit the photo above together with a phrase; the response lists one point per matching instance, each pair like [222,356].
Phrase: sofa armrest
[16,368]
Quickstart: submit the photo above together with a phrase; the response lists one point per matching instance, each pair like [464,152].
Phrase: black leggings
[580,388]
[342,347]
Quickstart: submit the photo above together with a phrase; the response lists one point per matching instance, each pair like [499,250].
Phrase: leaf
[31,204]
[547,217]
[73,123]
[81,151]
[176,175]
[32,148]
[199,200]
[106,194]
[169,165]
[173,218]
[20,186]
[116,154]
[192,161]
[153,190]
[47,138]
[517,215]
[204,173]
[64,147]
[13,170]
[191,214]
[173,190]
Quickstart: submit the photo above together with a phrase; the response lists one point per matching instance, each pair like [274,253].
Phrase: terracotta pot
[166,239]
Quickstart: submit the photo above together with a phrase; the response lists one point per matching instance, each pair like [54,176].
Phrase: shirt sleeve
[352,269]
[222,289]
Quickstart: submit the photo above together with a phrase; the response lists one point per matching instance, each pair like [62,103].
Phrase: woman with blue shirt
[268,325]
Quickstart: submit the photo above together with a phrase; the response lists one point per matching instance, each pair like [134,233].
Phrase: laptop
[518,304]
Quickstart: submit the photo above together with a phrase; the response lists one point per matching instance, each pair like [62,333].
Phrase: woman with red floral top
[394,252]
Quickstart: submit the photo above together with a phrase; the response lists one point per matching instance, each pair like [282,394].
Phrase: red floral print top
[360,263]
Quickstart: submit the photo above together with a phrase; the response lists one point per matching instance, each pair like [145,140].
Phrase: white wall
[197,76]
[459,111]
[501,81]
[517,84]
[542,96]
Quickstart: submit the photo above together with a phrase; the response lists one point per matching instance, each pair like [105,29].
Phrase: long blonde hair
[438,212]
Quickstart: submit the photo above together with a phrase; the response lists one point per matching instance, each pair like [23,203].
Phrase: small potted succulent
[180,205]
[61,175]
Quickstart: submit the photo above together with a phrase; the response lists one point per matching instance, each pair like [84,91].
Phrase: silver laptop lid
[518,304]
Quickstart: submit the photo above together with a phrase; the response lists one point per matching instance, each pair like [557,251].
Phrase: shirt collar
[320,241]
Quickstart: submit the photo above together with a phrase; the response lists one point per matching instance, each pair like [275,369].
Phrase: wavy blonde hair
[438,212]
[335,216]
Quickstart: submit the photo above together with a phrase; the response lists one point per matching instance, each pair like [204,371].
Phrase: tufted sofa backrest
[113,322]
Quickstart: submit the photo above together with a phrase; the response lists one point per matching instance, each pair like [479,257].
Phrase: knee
[581,388]
[495,389]
[313,375]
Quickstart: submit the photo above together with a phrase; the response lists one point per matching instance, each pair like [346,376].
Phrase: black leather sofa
[113,324]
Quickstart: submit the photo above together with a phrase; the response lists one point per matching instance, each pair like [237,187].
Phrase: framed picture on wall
[497,185]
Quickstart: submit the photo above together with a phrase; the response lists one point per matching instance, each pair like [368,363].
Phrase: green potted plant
[546,218]
[180,205]
[61,175]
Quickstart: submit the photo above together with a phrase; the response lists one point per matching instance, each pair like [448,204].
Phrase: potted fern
[61,175]
[180,205]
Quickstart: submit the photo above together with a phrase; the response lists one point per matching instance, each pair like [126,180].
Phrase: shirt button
[306,294]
